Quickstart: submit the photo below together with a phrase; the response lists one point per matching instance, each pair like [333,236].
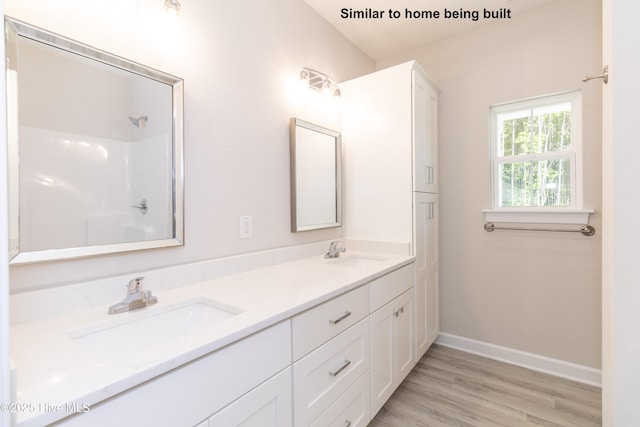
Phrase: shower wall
[83,164]
[78,190]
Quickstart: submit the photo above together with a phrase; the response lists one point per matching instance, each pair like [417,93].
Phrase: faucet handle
[333,245]
[135,285]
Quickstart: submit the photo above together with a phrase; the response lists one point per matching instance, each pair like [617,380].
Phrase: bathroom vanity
[304,342]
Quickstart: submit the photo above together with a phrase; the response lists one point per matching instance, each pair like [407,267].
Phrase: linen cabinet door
[432,138]
[424,134]
[421,235]
[422,167]
[433,268]
[426,284]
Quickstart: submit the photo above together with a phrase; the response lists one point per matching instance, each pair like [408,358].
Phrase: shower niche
[95,150]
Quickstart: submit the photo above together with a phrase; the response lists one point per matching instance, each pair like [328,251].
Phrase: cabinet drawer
[352,409]
[319,324]
[390,286]
[322,376]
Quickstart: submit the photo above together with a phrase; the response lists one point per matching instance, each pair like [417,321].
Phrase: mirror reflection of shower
[142,206]
[140,121]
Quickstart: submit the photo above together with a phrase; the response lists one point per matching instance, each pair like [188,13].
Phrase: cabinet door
[382,356]
[426,253]
[424,134]
[433,280]
[404,336]
[392,352]
[421,172]
[265,406]
[422,208]
[432,138]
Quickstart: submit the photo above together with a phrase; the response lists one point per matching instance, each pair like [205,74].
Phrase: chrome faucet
[136,298]
[334,250]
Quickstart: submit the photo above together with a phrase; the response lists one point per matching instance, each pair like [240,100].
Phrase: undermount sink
[357,261]
[116,339]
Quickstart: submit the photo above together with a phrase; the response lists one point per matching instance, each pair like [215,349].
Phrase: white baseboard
[559,368]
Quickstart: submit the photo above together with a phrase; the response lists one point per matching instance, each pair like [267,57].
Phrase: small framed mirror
[315,176]
[95,150]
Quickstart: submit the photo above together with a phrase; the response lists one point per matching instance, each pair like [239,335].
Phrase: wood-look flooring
[453,388]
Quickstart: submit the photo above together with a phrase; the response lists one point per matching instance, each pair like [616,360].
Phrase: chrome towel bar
[585,229]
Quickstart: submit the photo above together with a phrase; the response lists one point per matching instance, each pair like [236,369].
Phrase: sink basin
[357,261]
[117,338]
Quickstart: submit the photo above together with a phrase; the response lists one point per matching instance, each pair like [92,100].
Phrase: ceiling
[380,37]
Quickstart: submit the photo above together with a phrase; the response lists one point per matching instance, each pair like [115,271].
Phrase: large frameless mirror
[315,176]
[95,150]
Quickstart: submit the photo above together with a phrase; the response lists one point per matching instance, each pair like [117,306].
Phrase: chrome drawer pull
[344,316]
[347,423]
[346,363]
[398,311]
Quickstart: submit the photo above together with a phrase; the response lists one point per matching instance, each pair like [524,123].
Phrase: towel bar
[585,229]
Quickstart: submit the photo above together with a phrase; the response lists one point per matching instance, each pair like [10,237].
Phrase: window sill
[538,216]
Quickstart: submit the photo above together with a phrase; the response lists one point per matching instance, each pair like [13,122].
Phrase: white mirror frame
[14,29]
[315,186]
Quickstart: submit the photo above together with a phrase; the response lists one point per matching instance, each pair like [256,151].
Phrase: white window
[536,155]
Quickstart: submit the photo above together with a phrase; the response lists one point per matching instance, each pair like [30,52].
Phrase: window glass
[536,152]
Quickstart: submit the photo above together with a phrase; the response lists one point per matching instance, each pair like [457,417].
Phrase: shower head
[140,121]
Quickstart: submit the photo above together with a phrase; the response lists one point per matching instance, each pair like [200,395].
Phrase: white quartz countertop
[57,377]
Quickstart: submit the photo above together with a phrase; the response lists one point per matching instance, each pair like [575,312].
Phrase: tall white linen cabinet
[390,177]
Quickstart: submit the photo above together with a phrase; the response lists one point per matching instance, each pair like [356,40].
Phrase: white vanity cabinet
[392,333]
[195,391]
[334,364]
[332,354]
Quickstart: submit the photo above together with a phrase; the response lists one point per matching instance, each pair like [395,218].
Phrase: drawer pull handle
[398,311]
[344,316]
[346,363]
[347,423]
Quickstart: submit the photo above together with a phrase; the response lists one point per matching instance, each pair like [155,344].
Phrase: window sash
[527,108]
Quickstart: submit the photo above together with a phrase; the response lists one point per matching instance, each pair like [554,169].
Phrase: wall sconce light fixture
[172,6]
[319,82]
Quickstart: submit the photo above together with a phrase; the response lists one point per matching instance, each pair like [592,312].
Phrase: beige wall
[535,292]
[240,61]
